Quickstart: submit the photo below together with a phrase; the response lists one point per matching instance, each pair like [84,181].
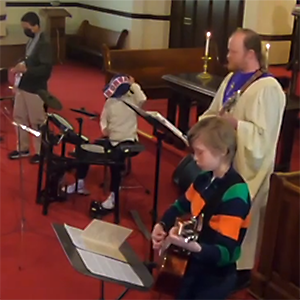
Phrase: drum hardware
[58,165]
[85,113]
[130,151]
[80,122]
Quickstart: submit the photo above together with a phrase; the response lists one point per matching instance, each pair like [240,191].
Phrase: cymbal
[50,100]
[84,112]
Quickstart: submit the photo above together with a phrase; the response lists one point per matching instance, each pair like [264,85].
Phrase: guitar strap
[230,102]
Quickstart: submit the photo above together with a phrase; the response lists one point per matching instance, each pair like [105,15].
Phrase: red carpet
[46,272]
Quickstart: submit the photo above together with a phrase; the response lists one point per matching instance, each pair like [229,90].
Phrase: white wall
[142,33]
[264,16]
[14,14]
[271,17]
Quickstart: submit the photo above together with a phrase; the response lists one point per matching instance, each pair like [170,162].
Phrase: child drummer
[118,123]
[220,195]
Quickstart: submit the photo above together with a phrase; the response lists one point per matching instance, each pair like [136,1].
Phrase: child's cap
[118,86]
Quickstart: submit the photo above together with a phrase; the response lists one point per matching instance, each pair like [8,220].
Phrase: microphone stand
[22,190]
[21,187]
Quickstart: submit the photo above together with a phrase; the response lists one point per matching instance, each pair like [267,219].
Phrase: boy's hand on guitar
[179,241]
[158,235]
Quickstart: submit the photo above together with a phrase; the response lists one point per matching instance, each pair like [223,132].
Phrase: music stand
[77,263]
[162,130]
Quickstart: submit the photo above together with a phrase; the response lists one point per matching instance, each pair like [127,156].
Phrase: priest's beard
[234,67]
[237,64]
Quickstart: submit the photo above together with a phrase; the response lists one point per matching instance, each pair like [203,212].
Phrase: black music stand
[162,130]
[75,260]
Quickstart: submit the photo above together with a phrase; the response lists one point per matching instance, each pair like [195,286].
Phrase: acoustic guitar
[174,259]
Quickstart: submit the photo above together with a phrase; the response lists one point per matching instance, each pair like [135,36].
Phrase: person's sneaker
[18,154]
[35,159]
[70,189]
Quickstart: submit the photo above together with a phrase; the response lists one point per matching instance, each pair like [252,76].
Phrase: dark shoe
[243,280]
[72,154]
[97,211]
[18,154]
[35,159]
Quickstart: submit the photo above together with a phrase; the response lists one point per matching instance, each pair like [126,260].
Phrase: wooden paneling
[277,274]
[191,19]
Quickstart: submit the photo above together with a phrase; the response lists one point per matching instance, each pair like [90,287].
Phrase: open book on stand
[101,238]
[101,247]
[161,120]
[156,115]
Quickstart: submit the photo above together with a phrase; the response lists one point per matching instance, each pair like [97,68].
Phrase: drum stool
[129,150]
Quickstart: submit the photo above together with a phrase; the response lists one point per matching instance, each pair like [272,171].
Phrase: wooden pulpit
[277,273]
[56,30]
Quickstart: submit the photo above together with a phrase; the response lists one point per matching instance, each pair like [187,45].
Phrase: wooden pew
[148,66]
[277,274]
[87,43]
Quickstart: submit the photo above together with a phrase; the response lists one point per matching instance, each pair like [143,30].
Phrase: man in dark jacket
[31,75]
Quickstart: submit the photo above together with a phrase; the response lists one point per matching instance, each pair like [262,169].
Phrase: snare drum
[85,139]
[92,152]
[61,123]
[73,138]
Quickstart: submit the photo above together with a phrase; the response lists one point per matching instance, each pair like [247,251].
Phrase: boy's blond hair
[216,134]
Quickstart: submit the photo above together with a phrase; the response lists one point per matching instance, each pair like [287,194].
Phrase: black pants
[115,170]
[200,283]
[115,174]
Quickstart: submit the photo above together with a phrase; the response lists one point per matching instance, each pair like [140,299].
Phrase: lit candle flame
[208,35]
[268,46]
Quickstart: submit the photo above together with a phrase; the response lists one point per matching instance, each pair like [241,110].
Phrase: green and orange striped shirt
[225,205]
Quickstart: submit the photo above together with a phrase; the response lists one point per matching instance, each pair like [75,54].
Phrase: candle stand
[205,75]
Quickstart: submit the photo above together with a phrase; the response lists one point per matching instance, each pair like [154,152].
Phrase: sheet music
[106,233]
[156,115]
[75,236]
[168,124]
[101,246]
[110,268]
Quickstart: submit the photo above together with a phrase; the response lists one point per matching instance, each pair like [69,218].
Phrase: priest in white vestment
[257,117]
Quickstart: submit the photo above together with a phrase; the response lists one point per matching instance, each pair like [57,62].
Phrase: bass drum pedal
[95,210]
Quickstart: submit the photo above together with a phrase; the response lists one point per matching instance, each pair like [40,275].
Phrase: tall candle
[267,55]
[207,43]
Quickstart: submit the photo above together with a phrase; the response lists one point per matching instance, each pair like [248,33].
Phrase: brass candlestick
[205,75]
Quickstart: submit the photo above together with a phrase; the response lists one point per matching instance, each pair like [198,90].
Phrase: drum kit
[58,165]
